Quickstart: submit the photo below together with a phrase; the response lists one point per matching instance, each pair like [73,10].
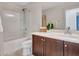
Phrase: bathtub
[11,46]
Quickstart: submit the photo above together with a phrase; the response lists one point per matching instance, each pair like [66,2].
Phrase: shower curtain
[1,27]
[13,24]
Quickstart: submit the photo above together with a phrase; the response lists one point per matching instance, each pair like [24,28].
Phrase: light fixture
[10,15]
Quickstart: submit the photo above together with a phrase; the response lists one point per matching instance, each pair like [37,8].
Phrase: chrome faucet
[68,30]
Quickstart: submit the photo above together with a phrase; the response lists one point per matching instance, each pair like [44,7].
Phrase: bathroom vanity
[54,44]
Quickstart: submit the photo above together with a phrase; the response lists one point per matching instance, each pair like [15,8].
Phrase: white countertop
[60,36]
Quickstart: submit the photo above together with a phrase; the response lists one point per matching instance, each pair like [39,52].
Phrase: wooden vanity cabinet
[53,47]
[44,46]
[71,49]
[37,45]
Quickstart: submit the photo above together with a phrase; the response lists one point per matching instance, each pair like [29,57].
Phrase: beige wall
[35,17]
[57,14]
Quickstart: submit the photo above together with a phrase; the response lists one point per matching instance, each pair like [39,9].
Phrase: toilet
[27,48]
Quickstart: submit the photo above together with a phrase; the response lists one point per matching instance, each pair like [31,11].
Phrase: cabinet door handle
[42,39]
[65,45]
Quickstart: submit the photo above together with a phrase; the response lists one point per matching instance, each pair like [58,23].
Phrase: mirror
[62,18]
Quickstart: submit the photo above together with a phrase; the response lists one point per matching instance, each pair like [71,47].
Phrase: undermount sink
[62,34]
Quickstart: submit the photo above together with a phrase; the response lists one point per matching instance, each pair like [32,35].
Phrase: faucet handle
[68,28]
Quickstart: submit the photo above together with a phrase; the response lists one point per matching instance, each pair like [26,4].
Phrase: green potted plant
[50,26]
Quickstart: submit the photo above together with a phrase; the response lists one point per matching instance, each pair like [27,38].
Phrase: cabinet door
[37,45]
[71,49]
[53,47]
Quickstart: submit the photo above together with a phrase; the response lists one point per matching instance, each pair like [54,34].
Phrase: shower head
[23,9]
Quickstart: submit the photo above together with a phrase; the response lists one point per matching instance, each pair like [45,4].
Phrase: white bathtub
[12,46]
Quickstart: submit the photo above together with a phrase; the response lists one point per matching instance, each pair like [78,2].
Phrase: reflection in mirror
[77,21]
[72,19]
[64,17]
[43,20]
[43,28]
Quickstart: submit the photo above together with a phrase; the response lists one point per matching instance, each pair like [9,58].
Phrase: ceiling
[13,5]
[45,5]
